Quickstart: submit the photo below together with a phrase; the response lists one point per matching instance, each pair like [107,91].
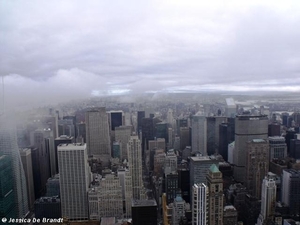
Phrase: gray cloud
[67,49]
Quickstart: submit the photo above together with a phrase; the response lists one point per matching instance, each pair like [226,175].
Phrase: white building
[74,180]
[178,210]
[123,134]
[199,133]
[170,164]
[268,200]
[199,204]
[105,200]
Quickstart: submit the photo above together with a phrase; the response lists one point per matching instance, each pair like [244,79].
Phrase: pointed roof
[214,169]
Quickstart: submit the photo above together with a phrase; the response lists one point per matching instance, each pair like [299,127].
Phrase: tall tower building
[199,133]
[27,165]
[257,165]
[178,210]
[122,134]
[278,148]
[9,147]
[97,134]
[247,128]
[74,180]
[268,201]
[7,198]
[200,204]
[290,190]
[135,165]
[216,196]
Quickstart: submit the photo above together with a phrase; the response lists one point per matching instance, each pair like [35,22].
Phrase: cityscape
[174,112]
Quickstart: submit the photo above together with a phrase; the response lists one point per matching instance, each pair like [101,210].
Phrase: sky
[61,50]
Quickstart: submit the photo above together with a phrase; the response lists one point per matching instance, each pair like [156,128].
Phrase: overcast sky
[64,49]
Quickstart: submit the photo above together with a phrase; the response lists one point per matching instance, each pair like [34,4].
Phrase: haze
[62,50]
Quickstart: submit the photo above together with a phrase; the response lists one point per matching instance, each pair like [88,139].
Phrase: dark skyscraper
[273,130]
[144,212]
[140,116]
[147,126]
[116,119]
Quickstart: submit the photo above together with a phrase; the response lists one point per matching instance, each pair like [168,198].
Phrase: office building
[278,148]
[9,147]
[212,132]
[67,126]
[184,182]
[106,200]
[159,143]
[117,150]
[257,165]
[230,110]
[199,133]
[161,131]
[115,119]
[171,185]
[147,126]
[27,166]
[144,212]
[230,215]
[140,116]
[74,180]
[184,134]
[52,186]
[226,136]
[295,148]
[47,207]
[7,194]
[199,167]
[215,196]
[200,204]
[268,201]
[97,134]
[159,159]
[273,130]
[57,141]
[170,165]
[135,165]
[122,135]
[178,209]
[247,128]
[290,190]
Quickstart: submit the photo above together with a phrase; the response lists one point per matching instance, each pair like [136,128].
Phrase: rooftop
[137,203]
[213,168]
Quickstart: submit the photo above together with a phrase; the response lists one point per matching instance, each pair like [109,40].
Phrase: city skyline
[95,48]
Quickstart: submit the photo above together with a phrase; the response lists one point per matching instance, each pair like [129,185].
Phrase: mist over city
[150,112]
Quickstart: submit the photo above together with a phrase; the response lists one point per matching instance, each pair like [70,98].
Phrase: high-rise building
[159,143]
[184,134]
[53,186]
[140,116]
[257,165]
[135,165]
[147,127]
[184,182]
[144,212]
[199,133]
[230,215]
[273,130]
[170,165]
[115,119]
[212,132]
[295,148]
[268,201]
[178,209]
[7,198]
[215,196]
[63,139]
[161,131]
[105,200]
[9,147]
[226,136]
[74,180]
[171,185]
[97,134]
[278,148]
[200,204]
[247,128]
[122,134]
[290,190]
[230,109]
[117,150]
[47,207]
[27,166]
[199,167]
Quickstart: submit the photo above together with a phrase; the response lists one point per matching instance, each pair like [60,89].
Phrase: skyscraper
[247,128]
[199,204]
[135,165]
[97,134]
[27,165]
[257,165]
[9,147]
[199,133]
[122,134]
[268,201]
[74,180]
[278,148]
[216,196]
